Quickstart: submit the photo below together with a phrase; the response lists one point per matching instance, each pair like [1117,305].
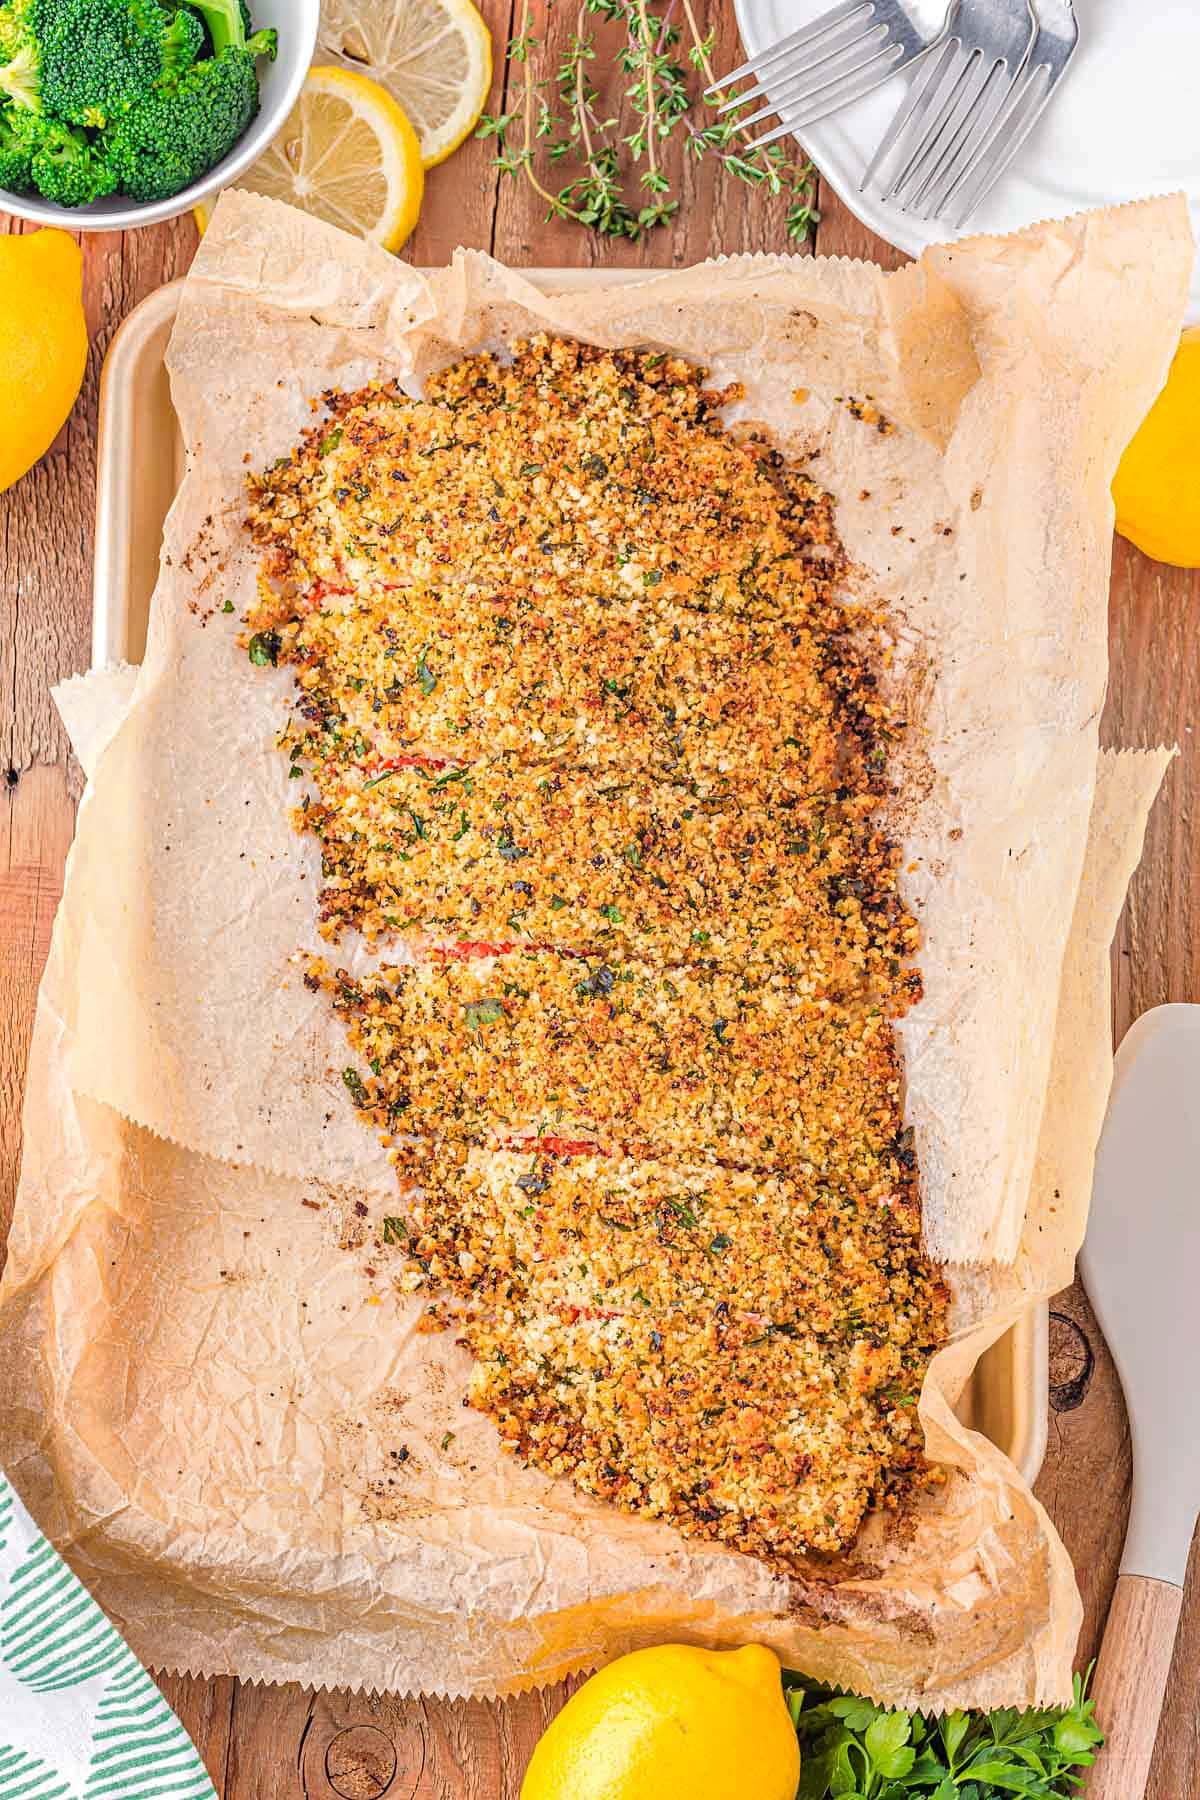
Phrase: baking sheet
[987,463]
[1013,372]
[140,464]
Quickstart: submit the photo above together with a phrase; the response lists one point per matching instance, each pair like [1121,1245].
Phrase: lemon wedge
[435,56]
[346,154]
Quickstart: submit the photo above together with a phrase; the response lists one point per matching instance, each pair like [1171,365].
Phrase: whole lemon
[1157,486]
[672,1723]
[43,344]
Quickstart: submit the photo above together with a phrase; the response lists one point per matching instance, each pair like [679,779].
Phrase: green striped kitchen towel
[80,1719]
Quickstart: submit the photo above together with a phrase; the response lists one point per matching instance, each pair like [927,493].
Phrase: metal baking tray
[140,463]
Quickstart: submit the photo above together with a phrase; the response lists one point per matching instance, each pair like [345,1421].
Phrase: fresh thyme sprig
[618,185]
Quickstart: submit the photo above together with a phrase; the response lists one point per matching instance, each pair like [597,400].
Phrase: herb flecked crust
[589,727]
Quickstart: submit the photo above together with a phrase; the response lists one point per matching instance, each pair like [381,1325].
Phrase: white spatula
[1141,1267]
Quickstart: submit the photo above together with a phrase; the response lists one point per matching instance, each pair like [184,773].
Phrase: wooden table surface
[284,1743]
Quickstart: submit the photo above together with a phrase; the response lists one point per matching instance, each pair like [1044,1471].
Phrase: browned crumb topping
[869,413]
[590,730]
[503,851]
[718,1291]
[757,1066]
[648,685]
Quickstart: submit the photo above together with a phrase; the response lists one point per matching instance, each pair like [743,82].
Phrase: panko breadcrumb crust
[594,744]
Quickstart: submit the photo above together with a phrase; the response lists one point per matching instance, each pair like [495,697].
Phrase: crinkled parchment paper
[207,1393]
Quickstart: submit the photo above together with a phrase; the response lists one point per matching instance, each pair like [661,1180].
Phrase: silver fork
[957,101]
[841,56]
[1055,44]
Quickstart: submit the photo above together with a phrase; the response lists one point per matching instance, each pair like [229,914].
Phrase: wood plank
[355,1747]
[841,234]
[1154,698]
[718,214]
[205,1710]
[1085,1482]
[37,819]
[460,194]
[289,1743]
[1176,1766]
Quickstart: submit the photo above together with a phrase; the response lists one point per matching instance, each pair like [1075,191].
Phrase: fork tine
[795,40]
[794,94]
[942,144]
[971,140]
[906,113]
[807,67]
[1007,139]
[911,149]
[836,95]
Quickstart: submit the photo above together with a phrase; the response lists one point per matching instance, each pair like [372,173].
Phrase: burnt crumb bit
[595,745]
[867,411]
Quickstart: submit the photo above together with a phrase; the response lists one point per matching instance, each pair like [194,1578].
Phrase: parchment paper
[206,1395]
[1012,373]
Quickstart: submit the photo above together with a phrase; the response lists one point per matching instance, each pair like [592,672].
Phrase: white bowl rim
[103,215]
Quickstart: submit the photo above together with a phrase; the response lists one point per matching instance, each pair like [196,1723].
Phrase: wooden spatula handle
[1131,1679]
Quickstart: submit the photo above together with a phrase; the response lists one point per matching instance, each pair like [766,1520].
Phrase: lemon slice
[435,56]
[346,154]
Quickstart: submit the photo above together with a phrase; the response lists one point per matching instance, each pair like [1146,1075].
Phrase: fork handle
[1131,1681]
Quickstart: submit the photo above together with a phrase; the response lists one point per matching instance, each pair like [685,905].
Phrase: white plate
[1125,122]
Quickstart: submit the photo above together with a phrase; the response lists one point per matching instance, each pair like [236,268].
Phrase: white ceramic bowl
[279,82]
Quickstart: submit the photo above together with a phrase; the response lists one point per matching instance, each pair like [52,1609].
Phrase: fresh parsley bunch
[855,1750]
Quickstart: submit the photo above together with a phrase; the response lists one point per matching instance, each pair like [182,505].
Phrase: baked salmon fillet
[599,747]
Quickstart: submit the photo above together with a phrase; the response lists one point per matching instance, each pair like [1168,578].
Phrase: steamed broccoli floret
[68,169]
[84,61]
[21,133]
[228,22]
[99,56]
[179,132]
[183,42]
